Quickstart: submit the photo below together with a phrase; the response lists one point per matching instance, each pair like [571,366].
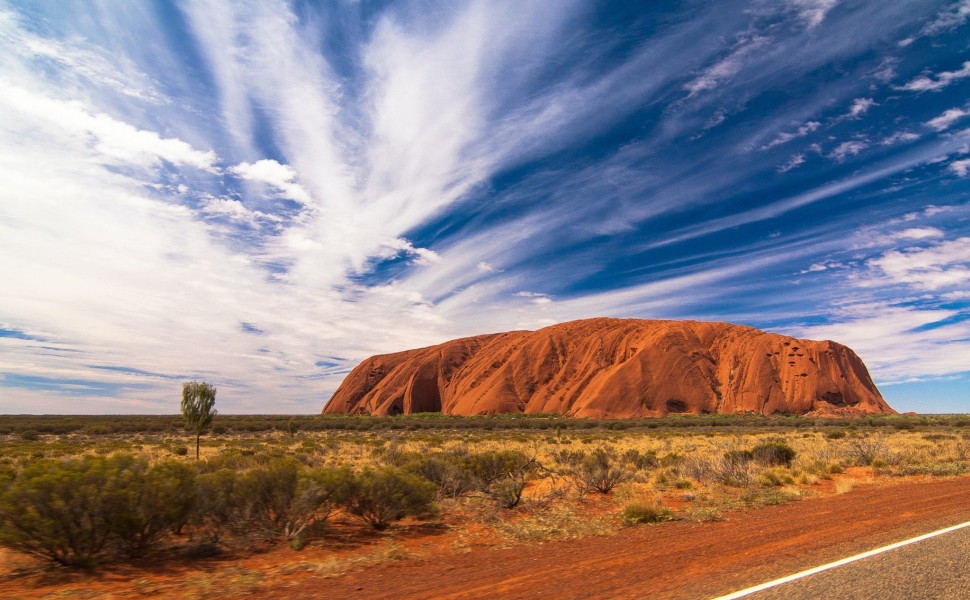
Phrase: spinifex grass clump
[600,471]
[639,512]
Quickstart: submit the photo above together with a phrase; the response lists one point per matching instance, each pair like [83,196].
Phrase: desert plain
[514,505]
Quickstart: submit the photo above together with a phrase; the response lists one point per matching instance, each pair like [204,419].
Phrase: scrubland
[82,496]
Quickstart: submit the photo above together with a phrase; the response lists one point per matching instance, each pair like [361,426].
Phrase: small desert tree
[198,400]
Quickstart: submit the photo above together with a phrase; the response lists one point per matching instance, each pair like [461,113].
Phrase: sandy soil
[671,560]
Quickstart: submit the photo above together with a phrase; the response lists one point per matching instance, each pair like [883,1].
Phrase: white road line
[839,563]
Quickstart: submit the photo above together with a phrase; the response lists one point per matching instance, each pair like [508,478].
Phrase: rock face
[615,368]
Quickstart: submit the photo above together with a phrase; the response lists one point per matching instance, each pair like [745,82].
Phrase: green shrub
[449,472]
[739,456]
[180,451]
[641,460]
[284,499]
[29,435]
[144,502]
[78,512]
[278,499]
[217,510]
[488,466]
[773,453]
[380,497]
[501,475]
[56,510]
[638,512]
[98,430]
[838,434]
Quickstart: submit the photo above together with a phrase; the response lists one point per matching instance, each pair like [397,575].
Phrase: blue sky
[262,194]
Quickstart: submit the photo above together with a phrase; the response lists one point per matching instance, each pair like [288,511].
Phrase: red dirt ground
[672,560]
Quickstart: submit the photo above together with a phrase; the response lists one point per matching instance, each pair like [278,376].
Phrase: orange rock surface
[615,368]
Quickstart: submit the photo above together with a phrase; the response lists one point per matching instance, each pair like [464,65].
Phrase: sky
[262,194]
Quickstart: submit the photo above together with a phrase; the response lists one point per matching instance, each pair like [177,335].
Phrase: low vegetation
[83,491]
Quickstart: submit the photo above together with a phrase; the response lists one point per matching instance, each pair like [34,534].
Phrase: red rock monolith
[616,368]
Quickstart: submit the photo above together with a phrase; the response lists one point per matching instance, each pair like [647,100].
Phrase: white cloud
[535,298]
[936,82]
[900,137]
[898,342]
[726,67]
[270,172]
[793,162]
[947,118]
[822,266]
[422,256]
[113,141]
[235,210]
[918,233]
[847,149]
[78,59]
[941,265]
[812,12]
[961,167]
[948,19]
[861,106]
[785,137]
[886,71]
[814,268]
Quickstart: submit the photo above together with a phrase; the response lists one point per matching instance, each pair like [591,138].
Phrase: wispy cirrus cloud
[813,11]
[935,82]
[795,161]
[947,118]
[785,137]
[76,61]
[728,66]
[848,148]
[288,184]
[953,16]
[899,137]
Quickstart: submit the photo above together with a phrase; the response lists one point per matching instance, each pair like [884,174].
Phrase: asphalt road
[936,568]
